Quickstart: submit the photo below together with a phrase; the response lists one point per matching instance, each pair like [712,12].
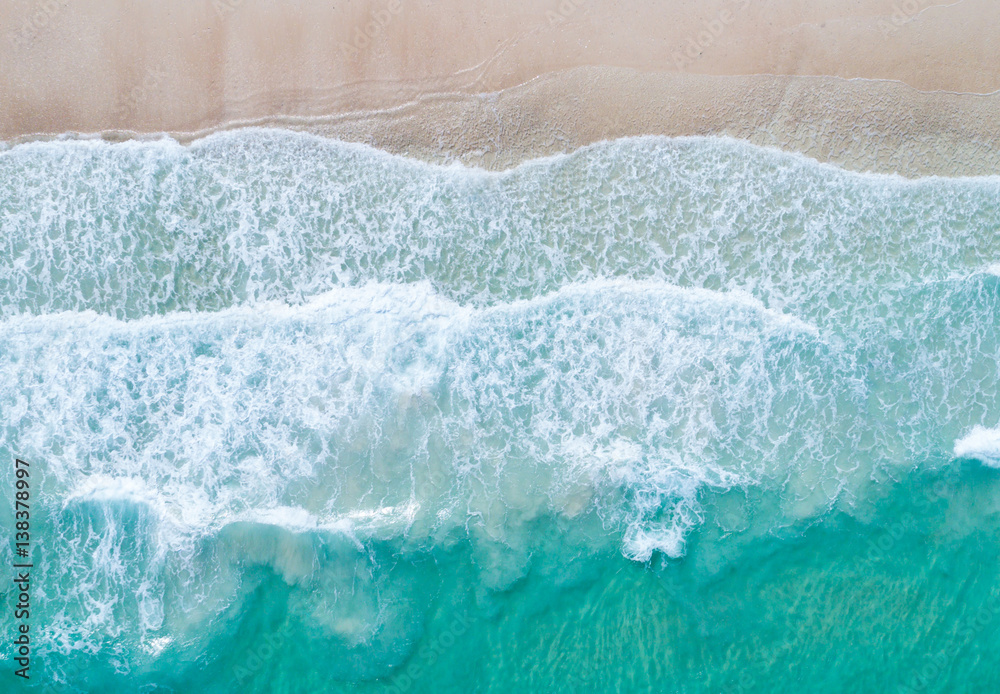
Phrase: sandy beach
[907,86]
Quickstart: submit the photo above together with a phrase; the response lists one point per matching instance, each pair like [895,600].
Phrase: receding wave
[145,228]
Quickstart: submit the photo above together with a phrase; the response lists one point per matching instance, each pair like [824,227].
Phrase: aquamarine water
[670,415]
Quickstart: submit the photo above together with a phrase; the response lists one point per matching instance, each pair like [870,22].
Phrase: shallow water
[661,415]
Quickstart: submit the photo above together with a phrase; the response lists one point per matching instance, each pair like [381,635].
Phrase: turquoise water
[679,415]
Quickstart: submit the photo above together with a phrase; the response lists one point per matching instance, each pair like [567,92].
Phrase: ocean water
[661,415]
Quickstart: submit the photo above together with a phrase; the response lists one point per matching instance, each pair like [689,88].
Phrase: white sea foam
[269,349]
[981,444]
[252,216]
[240,394]
[629,397]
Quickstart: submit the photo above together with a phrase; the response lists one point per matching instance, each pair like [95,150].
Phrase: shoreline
[859,125]
[889,86]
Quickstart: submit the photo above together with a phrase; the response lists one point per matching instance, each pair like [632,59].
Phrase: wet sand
[907,86]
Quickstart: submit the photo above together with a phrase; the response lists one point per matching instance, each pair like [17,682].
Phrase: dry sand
[891,85]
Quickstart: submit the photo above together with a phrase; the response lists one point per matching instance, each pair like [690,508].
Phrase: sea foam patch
[980,444]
